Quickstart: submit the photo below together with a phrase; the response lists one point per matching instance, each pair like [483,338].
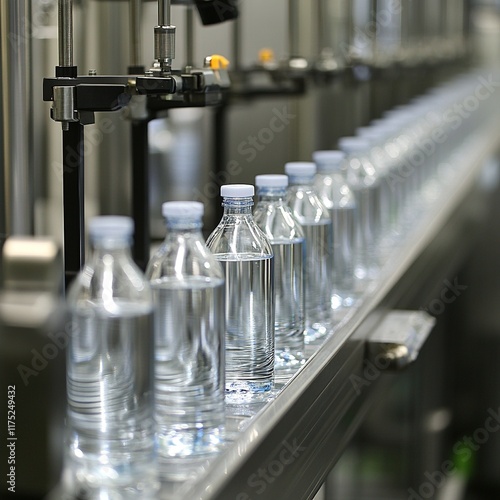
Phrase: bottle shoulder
[110,284]
[307,206]
[362,173]
[334,192]
[183,258]
[278,222]
[238,236]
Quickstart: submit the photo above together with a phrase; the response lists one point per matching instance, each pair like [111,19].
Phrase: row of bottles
[198,329]
[154,360]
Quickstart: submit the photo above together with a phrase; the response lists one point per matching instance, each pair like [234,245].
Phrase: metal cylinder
[165,44]
[135,32]
[164,12]
[236,43]
[293,28]
[65,28]
[189,35]
[16,131]
[63,109]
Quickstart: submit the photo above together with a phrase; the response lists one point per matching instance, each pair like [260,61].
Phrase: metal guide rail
[286,447]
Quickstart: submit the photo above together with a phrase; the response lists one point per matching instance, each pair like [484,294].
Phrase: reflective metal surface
[34,332]
[16,134]
[397,340]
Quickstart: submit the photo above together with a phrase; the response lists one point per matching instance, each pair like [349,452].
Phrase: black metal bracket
[75,107]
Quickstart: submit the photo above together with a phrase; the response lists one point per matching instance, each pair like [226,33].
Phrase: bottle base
[185,444]
[96,477]
[243,392]
[181,468]
[287,363]
[316,333]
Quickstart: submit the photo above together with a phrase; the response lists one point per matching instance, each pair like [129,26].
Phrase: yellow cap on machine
[266,55]
[218,62]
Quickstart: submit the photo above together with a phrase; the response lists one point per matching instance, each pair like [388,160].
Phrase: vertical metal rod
[236,39]
[219,149]
[321,15]
[16,120]
[164,17]
[350,24]
[293,28]
[189,35]
[65,30]
[461,10]
[376,34]
[140,192]
[73,200]
[135,12]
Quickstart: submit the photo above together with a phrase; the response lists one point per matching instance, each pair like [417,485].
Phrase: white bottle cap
[300,168]
[332,157]
[237,191]
[271,180]
[353,144]
[400,115]
[373,134]
[111,226]
[184,209]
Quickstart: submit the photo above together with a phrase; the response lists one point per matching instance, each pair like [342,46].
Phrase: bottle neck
[107,246]
[300,180]
[183,226]
[332,171]
[271,194]
[355,154]
[237,206]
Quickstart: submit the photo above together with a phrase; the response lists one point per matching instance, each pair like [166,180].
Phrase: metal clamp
[63,107]
[397,340]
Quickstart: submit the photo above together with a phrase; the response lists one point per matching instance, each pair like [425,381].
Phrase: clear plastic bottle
[110,369]
[365,184]
[335,193]
[246,256]
[274,217]
[316,223]
[188,291]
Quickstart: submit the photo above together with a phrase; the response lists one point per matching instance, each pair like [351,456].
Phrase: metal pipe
[350,25]
[236,36]
[73,200]
[135,12]
[293,28]
[65,32]
[374,5]
[322,20]
[164,14]
[16,128]
[189,35]
[140,193]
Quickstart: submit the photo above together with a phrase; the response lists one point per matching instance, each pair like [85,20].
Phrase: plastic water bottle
[316,223]
[188,291]
[246,256]
[110,443]
[335,193]
[273,215]
[365,184]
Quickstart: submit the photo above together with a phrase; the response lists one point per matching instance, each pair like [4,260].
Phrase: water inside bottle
[110,397]
[189,365]
[249,325]
[289,303]
[318,279]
